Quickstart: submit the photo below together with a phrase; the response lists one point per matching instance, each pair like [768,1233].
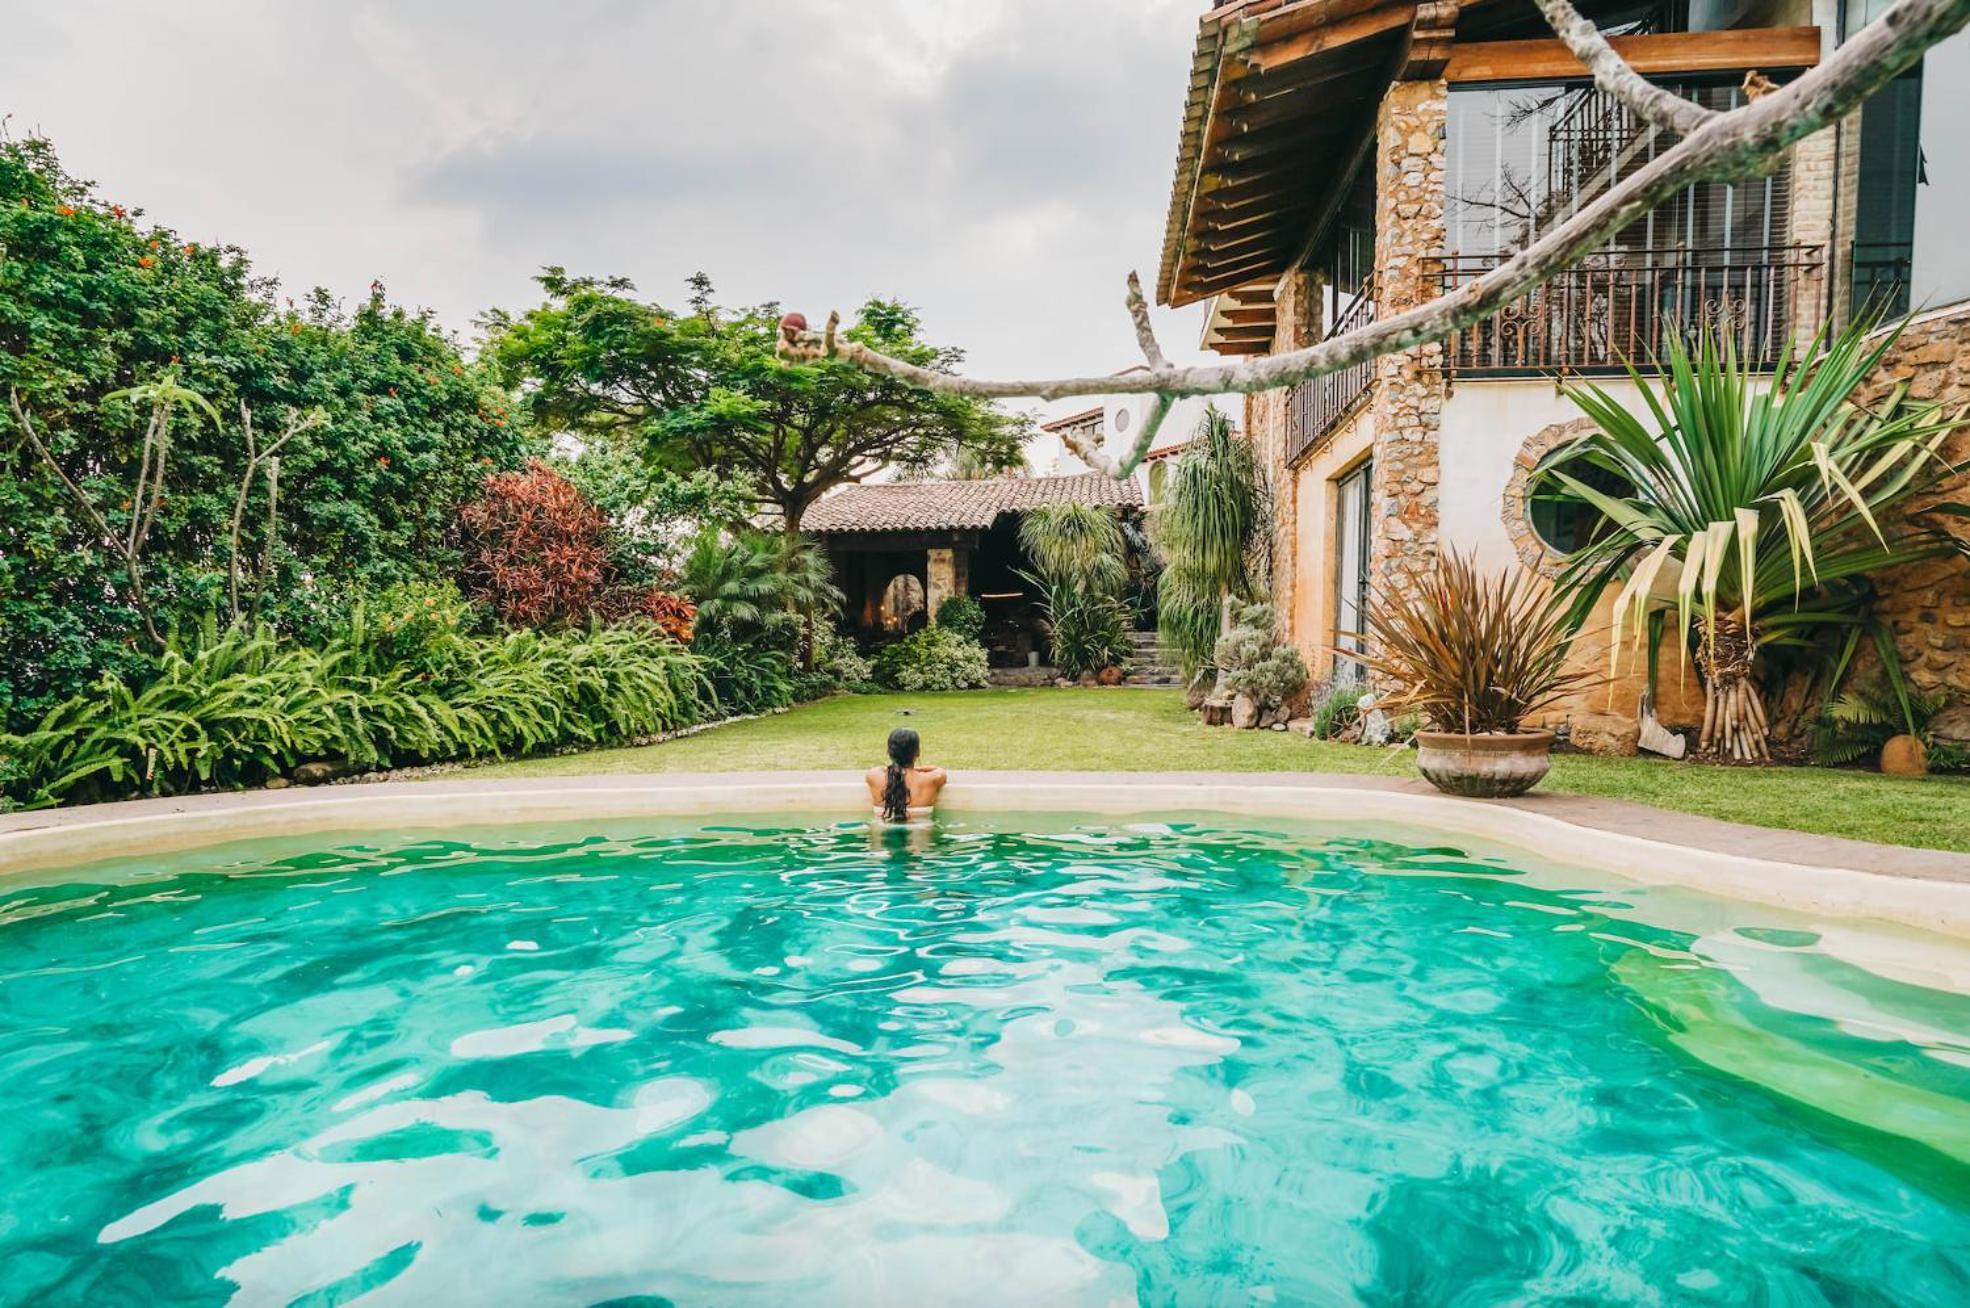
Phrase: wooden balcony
[1621,306]
[1315,408]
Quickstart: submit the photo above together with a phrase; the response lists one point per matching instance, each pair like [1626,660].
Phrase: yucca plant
[1081,570]
[1211,530]
[1474,652]
[1755,516]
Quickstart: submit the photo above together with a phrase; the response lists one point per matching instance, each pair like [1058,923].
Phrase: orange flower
[383,462]
[65,210]
[156,244]
[119,211]
[192,248]
[147,261]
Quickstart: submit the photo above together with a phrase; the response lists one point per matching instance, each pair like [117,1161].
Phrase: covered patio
[899,549]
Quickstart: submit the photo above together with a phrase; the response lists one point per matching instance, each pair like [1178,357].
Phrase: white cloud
[1000,166]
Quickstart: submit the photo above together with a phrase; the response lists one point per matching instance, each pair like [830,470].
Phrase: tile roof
[959,505]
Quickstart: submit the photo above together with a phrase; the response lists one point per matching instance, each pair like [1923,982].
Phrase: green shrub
[1255,663]
[748,677]
[235,706]
[935,658]
[837,666]
[1853,727]
[1336,707]
[1271,680]
[94,300]
[962,614]
[1089,630]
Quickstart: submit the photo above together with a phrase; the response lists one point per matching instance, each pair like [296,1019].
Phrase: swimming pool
[1009,1059]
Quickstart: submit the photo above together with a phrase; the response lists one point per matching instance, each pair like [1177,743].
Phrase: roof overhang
[1281,93]
[1240,321]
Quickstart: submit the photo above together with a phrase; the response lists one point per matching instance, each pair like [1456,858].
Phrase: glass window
[1522,160]
[1352,525]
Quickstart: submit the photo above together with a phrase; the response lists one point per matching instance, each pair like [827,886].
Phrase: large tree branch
[1727,146]
[1613,74]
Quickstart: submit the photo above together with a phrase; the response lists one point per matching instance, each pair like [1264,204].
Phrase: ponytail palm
[1755,517]
[1210,527]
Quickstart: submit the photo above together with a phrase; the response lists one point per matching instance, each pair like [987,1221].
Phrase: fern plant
[1855,725]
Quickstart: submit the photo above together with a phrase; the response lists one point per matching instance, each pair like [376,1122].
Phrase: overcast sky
[1000,164]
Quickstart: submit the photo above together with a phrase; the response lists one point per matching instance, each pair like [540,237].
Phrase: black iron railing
[1622,305]
[1881,271]
[1314,408]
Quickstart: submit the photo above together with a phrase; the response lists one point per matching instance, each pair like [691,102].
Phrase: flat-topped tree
[707,389]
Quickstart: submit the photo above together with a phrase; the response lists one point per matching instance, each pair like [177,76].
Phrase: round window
[1548,524]
[1565,521]
[1122,420]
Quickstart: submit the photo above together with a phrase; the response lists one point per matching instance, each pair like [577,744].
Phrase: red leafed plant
[674,614]
[535,549]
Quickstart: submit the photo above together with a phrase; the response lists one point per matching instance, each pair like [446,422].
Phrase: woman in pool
[903,790]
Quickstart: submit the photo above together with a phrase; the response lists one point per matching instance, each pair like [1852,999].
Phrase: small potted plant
[1476,654]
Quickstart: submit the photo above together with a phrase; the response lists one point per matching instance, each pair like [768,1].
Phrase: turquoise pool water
[1018,1063]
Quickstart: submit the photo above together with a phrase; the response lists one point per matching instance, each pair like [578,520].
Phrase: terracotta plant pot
[1483,767]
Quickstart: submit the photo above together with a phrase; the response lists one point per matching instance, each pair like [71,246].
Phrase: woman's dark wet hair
[903,747]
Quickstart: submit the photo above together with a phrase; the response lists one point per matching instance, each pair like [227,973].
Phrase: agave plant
[1474,652]
[1211,529]
[1755,516]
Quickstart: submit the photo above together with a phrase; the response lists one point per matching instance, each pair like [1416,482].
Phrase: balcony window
[1522,160]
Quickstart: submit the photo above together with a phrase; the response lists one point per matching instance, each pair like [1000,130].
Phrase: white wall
[1048,457]
[1941,271]
[1484,425]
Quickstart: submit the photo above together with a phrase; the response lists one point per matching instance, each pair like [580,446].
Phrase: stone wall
[1297,314]
[1407,407]
[1928,604]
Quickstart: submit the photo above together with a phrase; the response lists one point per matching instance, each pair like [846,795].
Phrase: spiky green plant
[1756,515]
[1211,529]
[1079,555]
[1076,544]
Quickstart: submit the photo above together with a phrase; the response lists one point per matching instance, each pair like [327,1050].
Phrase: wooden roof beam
[1325,38]
[1768,49]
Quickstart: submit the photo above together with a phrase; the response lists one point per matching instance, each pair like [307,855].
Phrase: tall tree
[706,389]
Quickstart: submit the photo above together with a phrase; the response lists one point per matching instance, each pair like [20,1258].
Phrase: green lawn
[1149,731]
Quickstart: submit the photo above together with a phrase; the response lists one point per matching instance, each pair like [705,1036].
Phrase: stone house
[1344,158]
[900,548]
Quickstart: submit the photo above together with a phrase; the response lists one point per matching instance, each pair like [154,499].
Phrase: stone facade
[1297,314]
[1928,604]
[1407,406]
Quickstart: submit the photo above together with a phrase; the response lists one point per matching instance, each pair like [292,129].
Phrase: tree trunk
[1736,728]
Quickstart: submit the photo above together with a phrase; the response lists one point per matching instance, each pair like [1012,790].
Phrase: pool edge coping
[1928,889]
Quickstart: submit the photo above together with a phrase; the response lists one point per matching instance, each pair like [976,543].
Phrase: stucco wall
[1310,625]
[1940,273]
[1484,425]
